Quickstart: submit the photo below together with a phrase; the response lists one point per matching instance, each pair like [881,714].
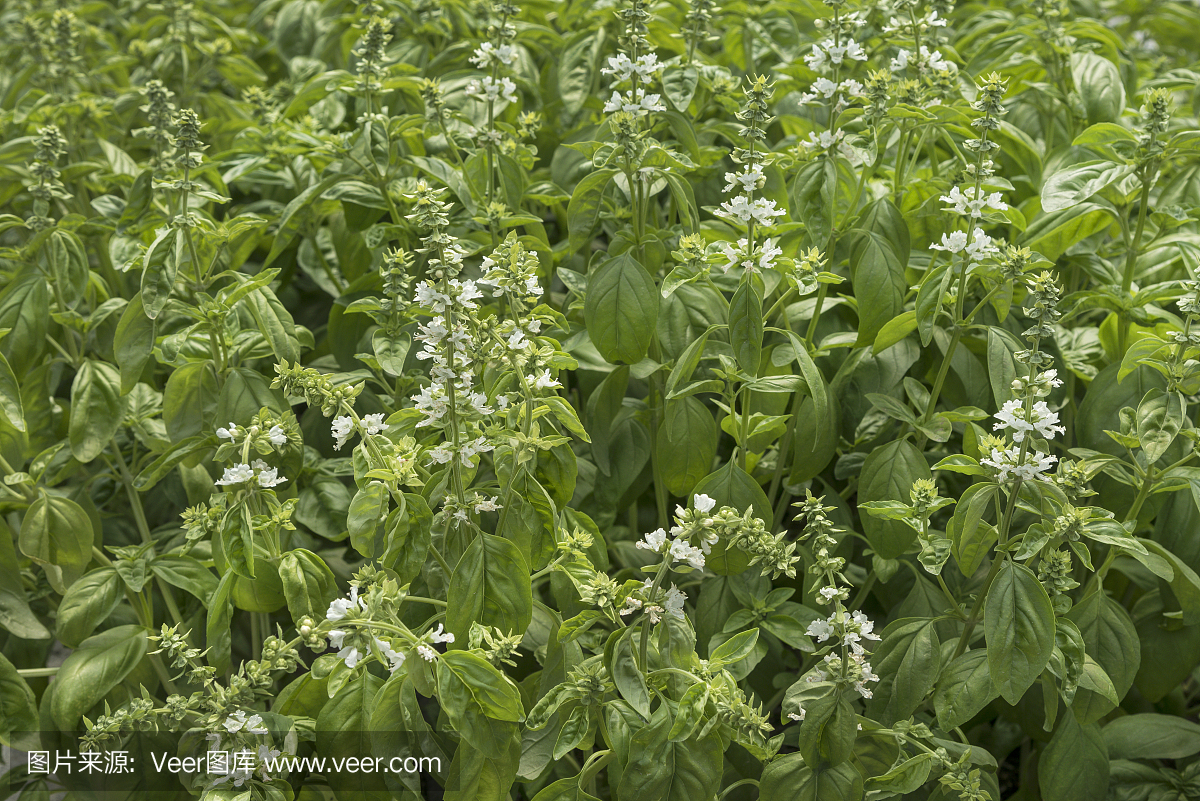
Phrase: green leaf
[86,604]
[15,614]
[482,704]
[906,777]
[10,397]
[1074,766]
[789,779]
[668,771]
[18,704]
[1051,234]
[888,474]
[1151,736]
[1077,183]
[57,534]
[98,665]
[1019,627]
[308,584]
[733,650]
[964,689]
[583,212]
[1100,87]
[187,574]
[190,401]
[627,676]
[97,409]
[133,342]
[877,273]
[746,327]
[687,444]
[490,586]
[368,511]
[621,309]
[219,637]
[908,661]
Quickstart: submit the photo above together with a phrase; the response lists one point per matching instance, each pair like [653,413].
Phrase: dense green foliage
[646,402]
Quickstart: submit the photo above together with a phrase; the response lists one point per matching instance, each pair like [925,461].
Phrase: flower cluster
[845,657]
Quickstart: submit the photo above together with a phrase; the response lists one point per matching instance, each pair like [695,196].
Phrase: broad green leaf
[1151,736]
[95,667]
[57,534]
[1019,628]
[97,409]
[1074,766]
[746,326]
[964,689]
[621,309]
[491,587]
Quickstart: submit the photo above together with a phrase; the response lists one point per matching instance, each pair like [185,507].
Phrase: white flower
[1041,420]
[829,593]
[623,68]
[820,629]
[351,656]
[981,247]
[487,53]
[752,178]
[479,403]
[342,428]
[636,103]
[654,541]
[239,722]
[491,90]
[227,433]
[484,504]
[440,454]
[1007,463]
[394,657]
[703,504]
[769,251]
[373,424]
[338,609]
[468,451]
[852,87]
[953,242]
[427,653]
[631,605]
[270,477]
[276,435]
[441,635]
[761,210]
[682,551]
[544,381]
[238,474]
[674,602]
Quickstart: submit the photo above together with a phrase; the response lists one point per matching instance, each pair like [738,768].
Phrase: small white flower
[238,474]
[351,656]
[441,635]
[829,593]
[270,478]
[544,381]
[228,433]
[953,242]
[427,653]
[342,428]
[703,504]
[682,551]
[484,504]
[654,541]
[394,657]
[338,609]
[440,454]
[277,436]
[674,602]
[373,424]
[821,629]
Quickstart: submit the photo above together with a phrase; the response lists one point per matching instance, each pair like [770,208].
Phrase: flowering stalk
[976,246]
[498,52]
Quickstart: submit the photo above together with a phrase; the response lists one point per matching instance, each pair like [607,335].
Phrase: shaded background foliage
[158,269]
